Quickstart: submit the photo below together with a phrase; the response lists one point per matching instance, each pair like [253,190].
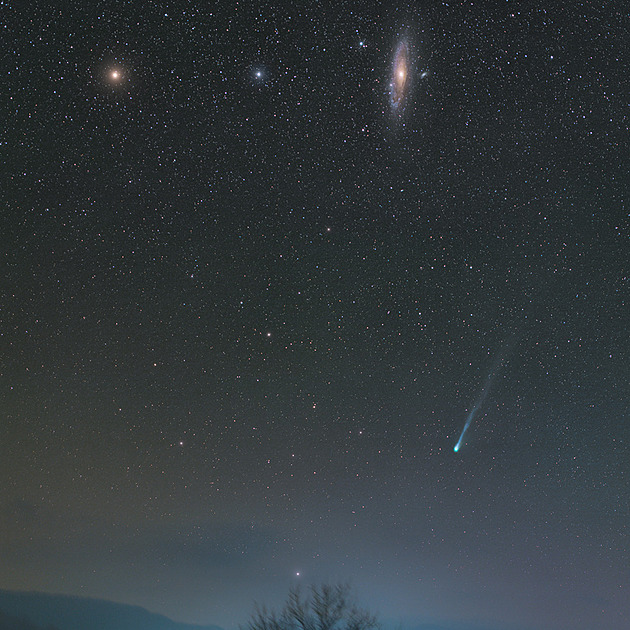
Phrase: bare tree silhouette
[325,607]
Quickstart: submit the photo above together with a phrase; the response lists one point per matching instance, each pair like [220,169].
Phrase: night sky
[261,264]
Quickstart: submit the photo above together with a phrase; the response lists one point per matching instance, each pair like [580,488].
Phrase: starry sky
[254,286]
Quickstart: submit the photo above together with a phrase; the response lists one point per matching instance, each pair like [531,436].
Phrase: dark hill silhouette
[41,611]
[8,622]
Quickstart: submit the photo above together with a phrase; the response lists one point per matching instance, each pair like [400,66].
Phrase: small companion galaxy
[303,293]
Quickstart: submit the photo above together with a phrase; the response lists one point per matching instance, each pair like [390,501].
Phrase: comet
[484,393]
[470,418]
[471,415]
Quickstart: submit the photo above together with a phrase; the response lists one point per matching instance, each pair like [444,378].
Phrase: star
[115,75]
[259,75]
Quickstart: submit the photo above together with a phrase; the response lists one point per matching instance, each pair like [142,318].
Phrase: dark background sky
[247,307]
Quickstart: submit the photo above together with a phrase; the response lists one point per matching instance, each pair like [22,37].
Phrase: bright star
[259,75]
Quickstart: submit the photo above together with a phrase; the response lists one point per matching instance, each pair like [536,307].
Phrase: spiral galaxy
[400,78]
